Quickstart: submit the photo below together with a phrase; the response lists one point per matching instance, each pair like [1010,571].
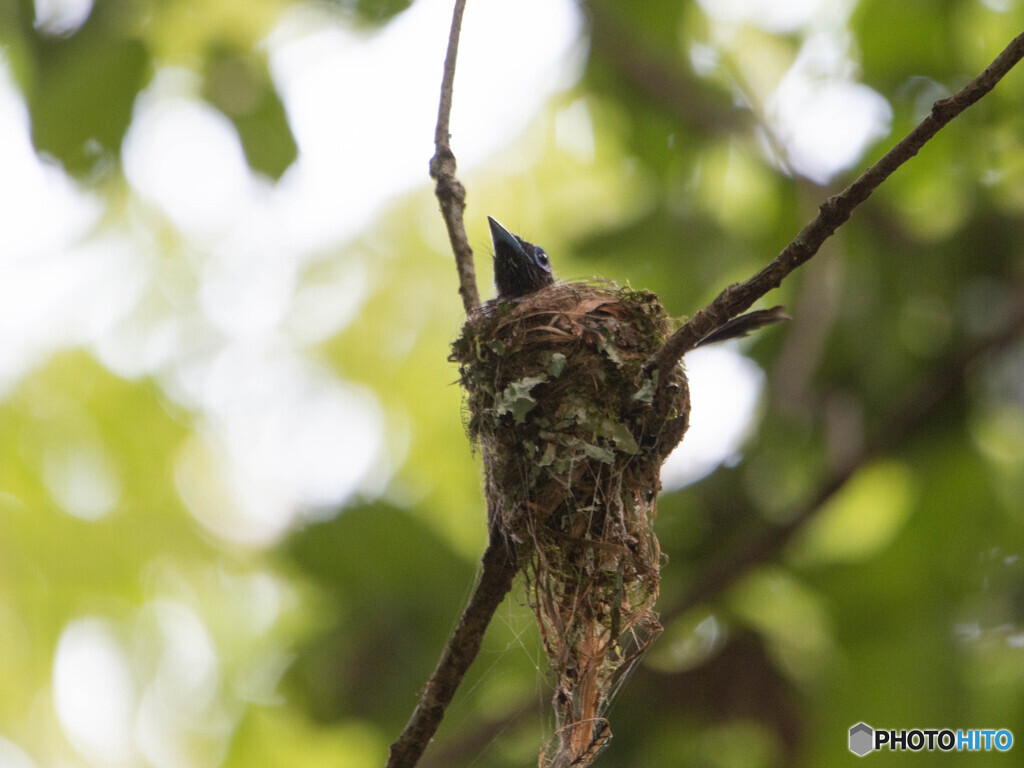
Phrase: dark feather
[520,268]
[744,324]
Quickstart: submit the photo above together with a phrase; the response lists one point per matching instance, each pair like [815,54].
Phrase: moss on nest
[573,436]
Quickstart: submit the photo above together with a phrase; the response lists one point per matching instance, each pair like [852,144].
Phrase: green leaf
[375,12]
[548,457]
[557,365]
[621,436]
[605,455]
[240,87]
[646,392]
[516,398]
[82,95]
[608,347]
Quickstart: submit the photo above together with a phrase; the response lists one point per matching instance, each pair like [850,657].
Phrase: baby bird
[521,268]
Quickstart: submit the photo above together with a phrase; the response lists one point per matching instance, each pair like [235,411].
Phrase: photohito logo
[865,739]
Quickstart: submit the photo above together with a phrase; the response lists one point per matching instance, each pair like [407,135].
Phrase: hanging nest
[573,436]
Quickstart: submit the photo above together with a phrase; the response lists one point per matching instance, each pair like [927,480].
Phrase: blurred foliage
[81,87]
[372,12]
[900,603]
[240,87]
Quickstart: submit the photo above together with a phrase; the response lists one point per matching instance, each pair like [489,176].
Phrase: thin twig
[832,213]
[499,565]
[450,192]
[904,420]
[911,414]
[499,568]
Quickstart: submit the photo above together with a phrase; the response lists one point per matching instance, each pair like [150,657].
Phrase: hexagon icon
[861,739]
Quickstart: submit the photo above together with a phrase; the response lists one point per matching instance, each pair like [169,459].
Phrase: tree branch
[912,413]
[499,564]
[499,570]
[450,192]
[831,215]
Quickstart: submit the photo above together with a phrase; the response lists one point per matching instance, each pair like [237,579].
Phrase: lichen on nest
[573,435]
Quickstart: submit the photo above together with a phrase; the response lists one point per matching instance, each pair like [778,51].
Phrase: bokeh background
[238,512]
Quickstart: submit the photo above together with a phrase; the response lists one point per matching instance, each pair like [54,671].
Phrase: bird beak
[502,238]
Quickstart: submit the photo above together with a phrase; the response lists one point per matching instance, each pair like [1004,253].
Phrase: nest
[573,435]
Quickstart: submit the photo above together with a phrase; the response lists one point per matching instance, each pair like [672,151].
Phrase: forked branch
[499,562]
[832,213]
[911,413]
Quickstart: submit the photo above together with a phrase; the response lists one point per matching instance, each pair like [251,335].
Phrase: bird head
[520,268]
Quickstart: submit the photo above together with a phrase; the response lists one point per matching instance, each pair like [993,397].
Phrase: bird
[522,268]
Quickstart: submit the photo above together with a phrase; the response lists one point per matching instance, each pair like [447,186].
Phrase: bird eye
[541,257]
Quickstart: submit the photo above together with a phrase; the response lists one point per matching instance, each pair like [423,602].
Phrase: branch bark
[499,568]
[450,193]
[912,413]
[832,213]
[499,564]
